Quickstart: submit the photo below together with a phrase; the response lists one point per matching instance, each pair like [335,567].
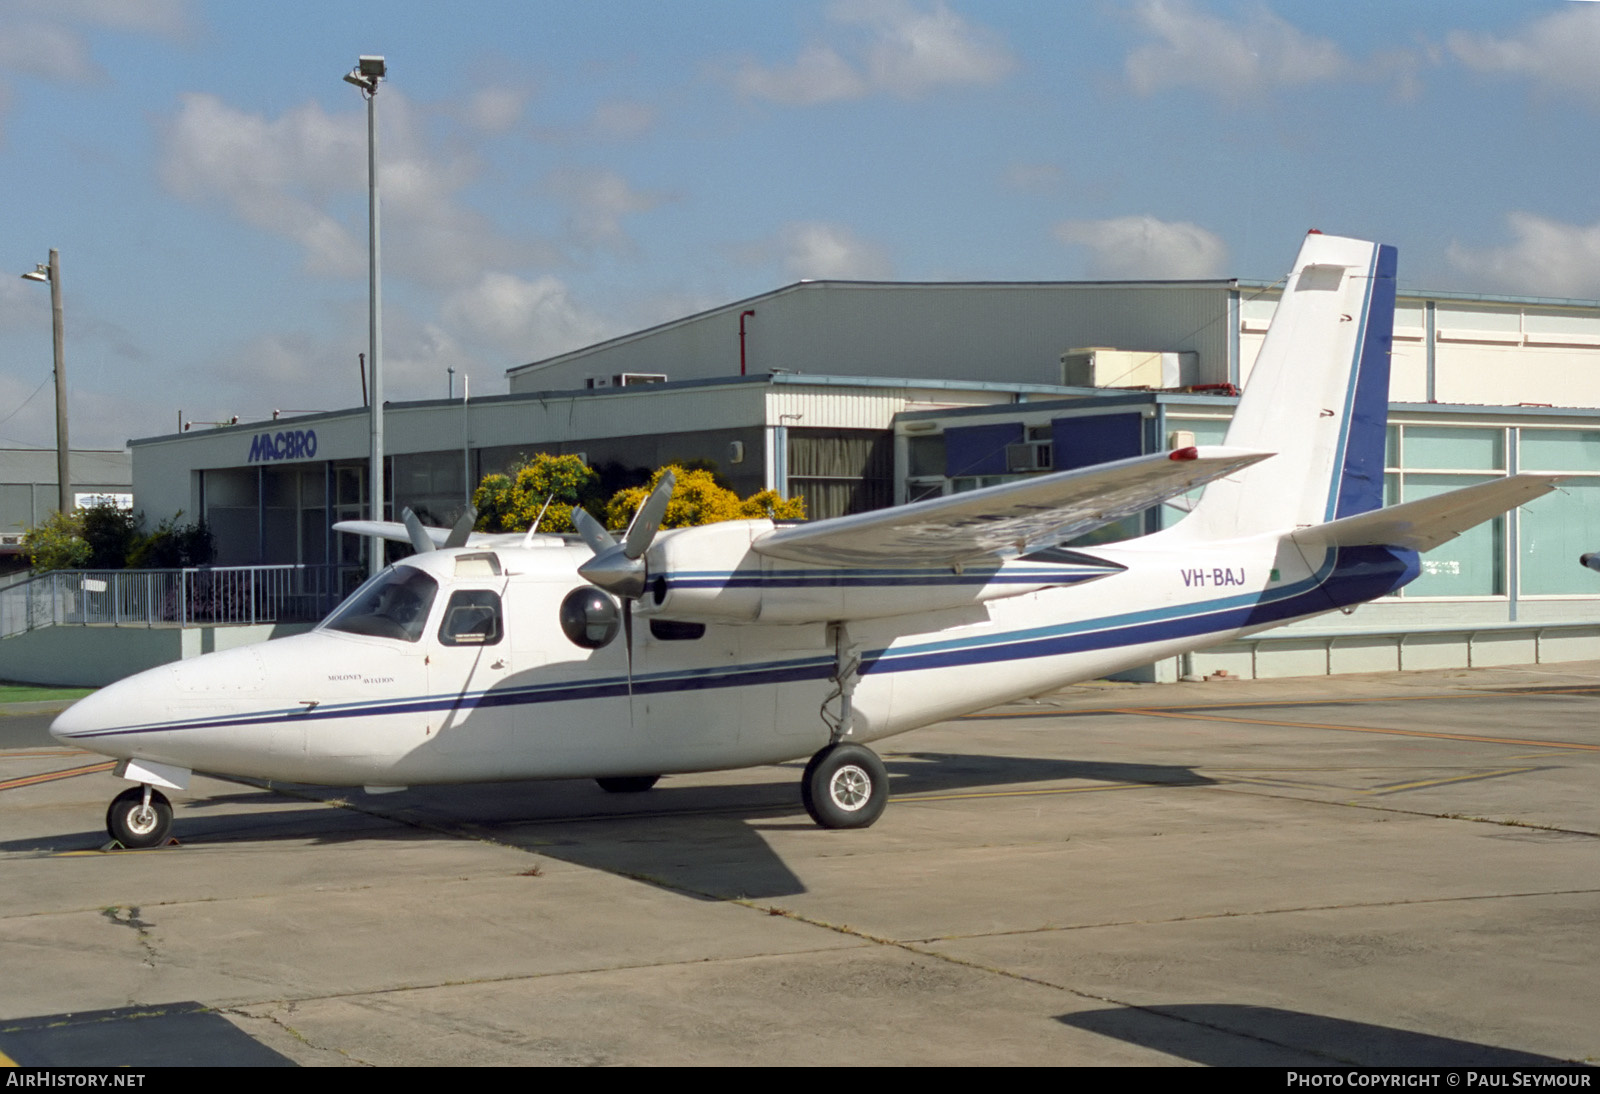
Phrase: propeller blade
[462,528]
[421,542]
[627,638]
[648,519]
[592,532]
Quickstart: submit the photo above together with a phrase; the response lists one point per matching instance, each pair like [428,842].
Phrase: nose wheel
[140,816]
[845,786]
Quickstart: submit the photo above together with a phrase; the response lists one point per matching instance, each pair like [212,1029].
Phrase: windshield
[394,604]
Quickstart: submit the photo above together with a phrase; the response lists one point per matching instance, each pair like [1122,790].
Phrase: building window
[1554,530]
[1428,460]
[841,471]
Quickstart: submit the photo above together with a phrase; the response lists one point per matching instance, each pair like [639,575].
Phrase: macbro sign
[291,444]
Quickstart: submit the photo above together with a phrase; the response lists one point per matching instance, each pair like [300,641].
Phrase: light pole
[366,75]
[52,274]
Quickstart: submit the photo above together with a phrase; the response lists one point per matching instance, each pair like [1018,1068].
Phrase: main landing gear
[140,816]
[845,784]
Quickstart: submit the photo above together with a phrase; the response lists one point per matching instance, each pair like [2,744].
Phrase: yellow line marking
[1363,729]
[6,1061]
[1030,793]
[52,776]
[1397,787]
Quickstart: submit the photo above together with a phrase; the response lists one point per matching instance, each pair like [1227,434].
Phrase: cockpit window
[394,604]
[472,618]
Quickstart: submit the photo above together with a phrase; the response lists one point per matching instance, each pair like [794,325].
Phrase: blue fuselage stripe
[1347,577]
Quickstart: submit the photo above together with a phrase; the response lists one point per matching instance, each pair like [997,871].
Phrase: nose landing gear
[140,816]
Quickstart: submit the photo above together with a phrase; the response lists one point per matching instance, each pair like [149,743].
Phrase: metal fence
[190,597]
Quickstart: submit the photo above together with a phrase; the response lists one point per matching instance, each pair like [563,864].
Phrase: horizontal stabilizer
[1424,525]
[1007,520]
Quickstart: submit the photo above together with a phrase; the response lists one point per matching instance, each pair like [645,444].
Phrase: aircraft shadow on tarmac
[703,841]
[1231,1035]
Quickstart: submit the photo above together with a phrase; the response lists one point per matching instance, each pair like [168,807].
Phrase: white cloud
[817,250]
[1545,257]
[48,51]
[1142,247]
[169,18]
[1194,48]
[895,48]
[285,176]
[599,201]
[496,109]
[623,120]
[277,176]
[524,320]
[1556,52]
[47,39]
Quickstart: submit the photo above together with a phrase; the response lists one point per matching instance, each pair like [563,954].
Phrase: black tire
[627,784]
[845,786]
[132,825]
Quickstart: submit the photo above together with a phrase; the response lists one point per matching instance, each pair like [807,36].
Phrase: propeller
[421,542]
[619,568]
[462,529]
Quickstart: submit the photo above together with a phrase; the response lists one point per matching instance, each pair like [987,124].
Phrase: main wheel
[845,786]
[627,784]
[133,824]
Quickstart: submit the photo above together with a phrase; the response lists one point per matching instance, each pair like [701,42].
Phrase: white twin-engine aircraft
[510,657]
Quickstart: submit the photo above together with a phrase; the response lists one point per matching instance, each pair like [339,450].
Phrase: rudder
[1318,397]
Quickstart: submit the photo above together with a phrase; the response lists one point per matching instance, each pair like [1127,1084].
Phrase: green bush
[104,537]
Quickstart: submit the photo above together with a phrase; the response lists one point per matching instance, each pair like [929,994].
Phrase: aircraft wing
[1424,525]
[1006,520]
[395,530]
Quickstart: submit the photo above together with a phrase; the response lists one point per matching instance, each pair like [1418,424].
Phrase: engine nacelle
[711,574]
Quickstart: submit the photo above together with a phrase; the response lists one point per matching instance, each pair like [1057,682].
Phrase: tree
[107,538]
[58,543]
[111,534]
[173,546]
[511,503]
[697,499]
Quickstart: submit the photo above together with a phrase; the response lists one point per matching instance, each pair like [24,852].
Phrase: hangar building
[858,395]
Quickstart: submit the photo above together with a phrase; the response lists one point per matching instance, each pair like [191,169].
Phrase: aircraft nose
[87,716]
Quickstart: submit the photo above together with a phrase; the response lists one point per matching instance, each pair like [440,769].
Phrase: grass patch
[36,693]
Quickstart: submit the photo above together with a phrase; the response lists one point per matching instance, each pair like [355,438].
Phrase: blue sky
[557,173]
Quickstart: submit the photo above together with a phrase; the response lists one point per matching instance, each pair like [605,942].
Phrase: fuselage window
[472,618]
[394,604]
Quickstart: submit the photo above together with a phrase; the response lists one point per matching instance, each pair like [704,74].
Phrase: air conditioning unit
[1102,366]
[625,379]
[1032,456]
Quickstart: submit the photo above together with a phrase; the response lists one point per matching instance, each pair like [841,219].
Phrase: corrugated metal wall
[1004,333]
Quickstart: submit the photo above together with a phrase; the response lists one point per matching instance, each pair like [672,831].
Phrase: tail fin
[1318,397]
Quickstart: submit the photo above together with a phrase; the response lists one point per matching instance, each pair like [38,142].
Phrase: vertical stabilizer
[1318,397]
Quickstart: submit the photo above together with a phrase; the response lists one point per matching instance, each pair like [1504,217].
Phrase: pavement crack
[270,1014]
[127,915]
[1202,917]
